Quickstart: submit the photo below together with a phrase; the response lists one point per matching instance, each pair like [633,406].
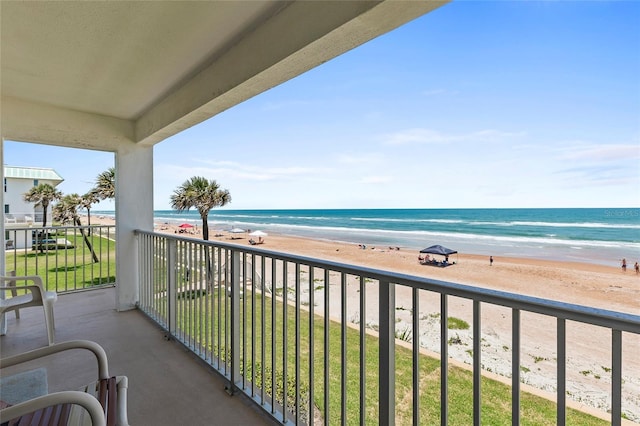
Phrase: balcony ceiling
[101,75]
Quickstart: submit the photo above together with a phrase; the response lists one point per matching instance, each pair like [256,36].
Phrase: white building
[17,212]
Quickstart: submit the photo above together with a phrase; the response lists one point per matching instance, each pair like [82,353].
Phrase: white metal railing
[68,258]
[26,218]
[277,326]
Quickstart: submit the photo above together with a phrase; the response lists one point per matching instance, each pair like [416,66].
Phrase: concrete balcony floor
[167,384]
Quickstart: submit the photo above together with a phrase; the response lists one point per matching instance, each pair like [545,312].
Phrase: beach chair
[26,295]
[103,402]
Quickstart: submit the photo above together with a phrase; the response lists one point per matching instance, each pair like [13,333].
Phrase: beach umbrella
[185,226]
[258,234]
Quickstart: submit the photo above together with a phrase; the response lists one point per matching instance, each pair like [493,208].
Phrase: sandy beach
[589,348]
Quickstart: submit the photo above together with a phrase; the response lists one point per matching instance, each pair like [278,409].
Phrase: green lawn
[496,396]
[66,269]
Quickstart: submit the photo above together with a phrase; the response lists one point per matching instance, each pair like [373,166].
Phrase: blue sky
[477,104]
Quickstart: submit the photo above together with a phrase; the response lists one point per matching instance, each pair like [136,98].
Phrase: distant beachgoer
[637,267]
[490,260]
[624,264]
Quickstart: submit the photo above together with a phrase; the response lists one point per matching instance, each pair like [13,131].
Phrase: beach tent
[438,249]
[236,231]
[442,251]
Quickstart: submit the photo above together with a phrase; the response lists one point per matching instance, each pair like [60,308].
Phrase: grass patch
[66,269]
[457,324]
[204,322]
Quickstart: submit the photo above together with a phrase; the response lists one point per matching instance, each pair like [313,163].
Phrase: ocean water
[602,236]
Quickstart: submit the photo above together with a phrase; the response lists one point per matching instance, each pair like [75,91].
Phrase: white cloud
[375,179]
[430,136]
[434,92]
[366,159]
[600,153]
[222,170]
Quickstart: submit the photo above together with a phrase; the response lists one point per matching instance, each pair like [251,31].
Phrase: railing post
[387,385]
[616,377]
[172,288]
[235,321]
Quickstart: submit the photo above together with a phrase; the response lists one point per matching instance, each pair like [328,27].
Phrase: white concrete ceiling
[100,74]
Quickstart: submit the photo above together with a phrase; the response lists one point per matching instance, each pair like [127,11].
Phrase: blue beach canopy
[438,249]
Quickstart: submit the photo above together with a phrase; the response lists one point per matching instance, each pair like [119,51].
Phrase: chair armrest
[82,399]
[100,354]
[13,286]
[37,280]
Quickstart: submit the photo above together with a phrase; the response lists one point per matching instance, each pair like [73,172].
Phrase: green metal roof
[32,173]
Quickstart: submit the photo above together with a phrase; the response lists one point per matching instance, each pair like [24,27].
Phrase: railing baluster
[311,344]
[274,282]
[477,363]
[243,324]
[363,350]
[325,352]
[234,317]
[616,377]
[515,367]
[253,325]
[415,317]
[263,323]
[561,395]
[171,287]
[285,341]
[387,385]
[297,333]
[228,282]
[444,360]
[343,348]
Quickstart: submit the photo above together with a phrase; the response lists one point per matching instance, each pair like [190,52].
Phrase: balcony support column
[134,210]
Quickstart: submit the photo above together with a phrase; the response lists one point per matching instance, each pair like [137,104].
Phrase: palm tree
[202,194]
[67,211]
[86,201]
[43,194]
[106,184]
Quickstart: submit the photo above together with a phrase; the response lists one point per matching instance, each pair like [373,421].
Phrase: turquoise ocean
[592,235]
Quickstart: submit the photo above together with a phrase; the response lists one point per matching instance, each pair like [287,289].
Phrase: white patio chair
[24,295]
[104,400]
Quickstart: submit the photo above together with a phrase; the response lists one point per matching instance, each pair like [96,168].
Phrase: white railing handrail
[595,316]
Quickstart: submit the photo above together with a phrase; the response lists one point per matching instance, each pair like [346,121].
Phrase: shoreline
[592,285]
[586,241]
[565,281]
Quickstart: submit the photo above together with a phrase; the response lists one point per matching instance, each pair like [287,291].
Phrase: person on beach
[624,264]
[490,260]
[637,268]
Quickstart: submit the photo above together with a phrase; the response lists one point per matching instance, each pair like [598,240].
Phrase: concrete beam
[315,32]
[26,121]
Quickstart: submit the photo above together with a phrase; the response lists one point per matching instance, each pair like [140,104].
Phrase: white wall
[18,208]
